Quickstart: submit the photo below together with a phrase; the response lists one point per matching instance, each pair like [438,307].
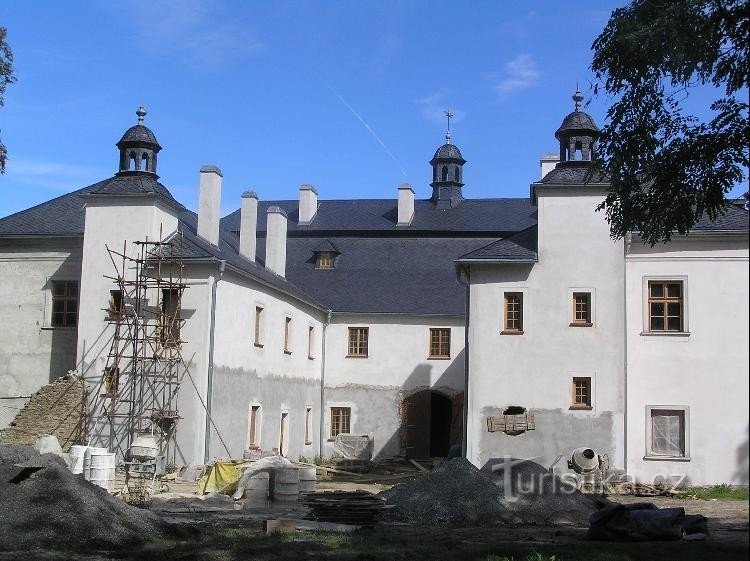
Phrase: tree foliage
[668,168]
[6,77]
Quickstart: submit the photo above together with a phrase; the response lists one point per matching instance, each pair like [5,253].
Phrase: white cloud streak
[369,129]
[520,73]
[433,107]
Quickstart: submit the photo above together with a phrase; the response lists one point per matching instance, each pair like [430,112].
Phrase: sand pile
[521,492]
[46,506]
[454,493]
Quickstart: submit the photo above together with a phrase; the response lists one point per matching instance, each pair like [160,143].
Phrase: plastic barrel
[286,485]
[102,470]
[77,454]
[87,460]
[256,491]
[307,478]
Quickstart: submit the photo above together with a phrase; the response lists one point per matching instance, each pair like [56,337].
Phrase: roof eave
[469,261]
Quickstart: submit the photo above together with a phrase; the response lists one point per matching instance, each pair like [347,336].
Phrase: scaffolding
[137,391]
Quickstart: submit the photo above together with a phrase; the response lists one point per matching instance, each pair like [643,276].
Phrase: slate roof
[521,247]
[64,216]
[577,120]
[572,174]
[733,220]
[448,151]
[473,217]
[138,134]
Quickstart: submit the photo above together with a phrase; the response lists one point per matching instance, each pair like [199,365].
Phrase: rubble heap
[45,505]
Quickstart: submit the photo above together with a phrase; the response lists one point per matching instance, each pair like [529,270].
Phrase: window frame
[258,326]
[441,356]
[646,301]
[287,334]
[506,330]
[65,298]
[254,425]
[359,354]
[308,425]
[332,425]
[574,404]
[649,453]
[574,320]
[310,342]
[325,260]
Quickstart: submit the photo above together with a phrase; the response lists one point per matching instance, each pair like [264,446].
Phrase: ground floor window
[340,420]
[581,392]
[667,432]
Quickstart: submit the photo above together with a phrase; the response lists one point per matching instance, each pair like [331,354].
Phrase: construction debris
[44,505]
[358,508]
[646,522]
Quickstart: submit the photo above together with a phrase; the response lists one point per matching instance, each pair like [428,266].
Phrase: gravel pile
[454,493]
[49,507]
[532,495]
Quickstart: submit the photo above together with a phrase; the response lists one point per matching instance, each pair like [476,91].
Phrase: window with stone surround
[340,421]
[64,304]
[440,342]
[513,313]
[358,342]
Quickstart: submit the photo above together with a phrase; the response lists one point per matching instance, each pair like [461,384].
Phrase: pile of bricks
[58,408]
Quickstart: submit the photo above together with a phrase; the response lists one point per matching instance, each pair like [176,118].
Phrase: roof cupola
[577,135]
[138,148]
[447,172]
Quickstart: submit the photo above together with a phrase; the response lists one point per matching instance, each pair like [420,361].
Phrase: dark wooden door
[457,421]
[417,415]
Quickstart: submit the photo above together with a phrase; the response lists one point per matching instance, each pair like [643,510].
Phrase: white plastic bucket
[87,459]
[102,470]
[77,454]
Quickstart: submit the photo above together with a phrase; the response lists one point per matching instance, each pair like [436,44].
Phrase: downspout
[210,374]
[465,279]
[321,438]
[626,245]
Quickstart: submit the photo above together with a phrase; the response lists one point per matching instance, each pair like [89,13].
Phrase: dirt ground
[217,531]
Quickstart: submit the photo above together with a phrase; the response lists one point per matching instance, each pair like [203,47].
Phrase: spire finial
[448,114]
[141,112]
[577,98]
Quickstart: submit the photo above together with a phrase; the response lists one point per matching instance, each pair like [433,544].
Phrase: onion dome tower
[447,172]
[138,149]
[577,136]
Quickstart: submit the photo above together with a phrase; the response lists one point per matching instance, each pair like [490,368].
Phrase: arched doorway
[432,423]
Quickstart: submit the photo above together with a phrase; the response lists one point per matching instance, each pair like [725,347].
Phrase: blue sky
[347,96]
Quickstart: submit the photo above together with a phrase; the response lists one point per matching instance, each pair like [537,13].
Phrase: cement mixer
[144,467]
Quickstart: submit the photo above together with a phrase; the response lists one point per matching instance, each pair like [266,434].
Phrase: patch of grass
[722,491]
[590,556]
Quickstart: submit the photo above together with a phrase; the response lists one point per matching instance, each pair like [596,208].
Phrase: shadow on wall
[430,414]
[742,475]
[63,339]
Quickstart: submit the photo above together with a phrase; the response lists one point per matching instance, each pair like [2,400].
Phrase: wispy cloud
[369,128]
[52,176]
[520,73]
[433,109]
[194,31]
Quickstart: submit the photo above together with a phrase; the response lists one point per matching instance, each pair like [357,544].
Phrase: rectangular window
[513,312]
[358,341]
[440,342]
[581,393]
[668,433]
[115,310]
[581,309]
[258,319]
[287,334]
[111,381]
[283,430]
[308,425]
[64,304]
[340,420]
[169,320]
[310,342]
[665,306]
[253,431]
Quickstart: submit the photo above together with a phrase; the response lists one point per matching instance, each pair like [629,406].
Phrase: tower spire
[141,113]
[577,98]
[448,114]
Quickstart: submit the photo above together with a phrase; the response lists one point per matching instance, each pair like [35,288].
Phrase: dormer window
[324,260]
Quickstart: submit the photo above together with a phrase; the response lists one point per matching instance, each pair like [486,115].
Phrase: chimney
[548,162]
[209,204]
[308,204]
[248,224]
[276,240]
[405,204]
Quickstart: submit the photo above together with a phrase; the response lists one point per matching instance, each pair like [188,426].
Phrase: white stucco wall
[705,371]
[32,352]
[535,369]
[397,365]
[246,374]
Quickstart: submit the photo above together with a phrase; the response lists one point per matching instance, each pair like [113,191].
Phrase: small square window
[440,342]
[581,393]
[115,309]
[581,309]
[340,421]
[324,260]
[358,342]
[513,313]
[111,381]
[64,304]
[667,432]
